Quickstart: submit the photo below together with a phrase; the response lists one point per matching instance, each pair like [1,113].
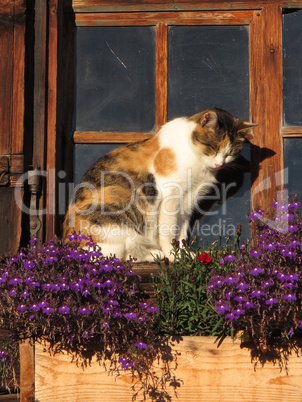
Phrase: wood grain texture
[18,78]
[291,131]
[181,18]
[51,118]
[152,5]
[161,73]
[266,104]
[27,371]
[204,373]
[6,79]
[97,137]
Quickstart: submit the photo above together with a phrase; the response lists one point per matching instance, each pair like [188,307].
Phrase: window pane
[115,78]
[208,66]
[293,162]
[85,155]
[292,68]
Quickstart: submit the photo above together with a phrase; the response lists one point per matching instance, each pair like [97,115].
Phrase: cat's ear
[209,119]
[246,130]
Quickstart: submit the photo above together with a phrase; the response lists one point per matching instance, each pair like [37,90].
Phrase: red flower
[204,258]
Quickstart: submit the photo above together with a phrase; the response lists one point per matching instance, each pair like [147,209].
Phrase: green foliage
[181,295]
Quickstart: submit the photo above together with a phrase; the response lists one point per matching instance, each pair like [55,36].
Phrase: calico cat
[137,199]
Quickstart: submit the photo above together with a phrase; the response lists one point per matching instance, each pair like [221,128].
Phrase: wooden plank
[80,6]
[97,137]
[39,84]
[27,371]
[291,131]
[6,74]
[266,104]
[180,18]
[10,218]
[51,118]
[204,372]
[18,79]
[161,73]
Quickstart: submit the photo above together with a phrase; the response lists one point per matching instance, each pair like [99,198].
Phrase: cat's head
[219,136]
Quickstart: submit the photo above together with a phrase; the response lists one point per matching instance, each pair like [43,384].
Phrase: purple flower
[248,305]
[25,294]
[152,310]
[235,314]
[22,308]
[221,308]
[256,271]
[242,286]
[294,206]
[230,258]
[292,228]
[3,355]
[240,299]
[140,345]
[43,304]
[15,281]
[288,217]
[28,265]
[63,286]
[126,363]
[270,247]
[281,276]
[292,278]
[271,301]
[48,310]
[257,294]
[130,316]
[288,253]
[84,311]
[255,254]
[34,307]
[290,297]
[86,293]
[267,284]
[65,310]
[228,295]
[256,215]
[294,244]
[230,279]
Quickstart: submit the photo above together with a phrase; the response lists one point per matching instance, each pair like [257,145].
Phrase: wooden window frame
[266,98]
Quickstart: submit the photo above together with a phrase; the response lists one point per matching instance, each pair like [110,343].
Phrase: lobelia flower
[271,301]
[290,297]
[140,345]
[256,271]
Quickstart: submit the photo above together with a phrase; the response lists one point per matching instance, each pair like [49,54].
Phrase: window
[133,75]
[292,101]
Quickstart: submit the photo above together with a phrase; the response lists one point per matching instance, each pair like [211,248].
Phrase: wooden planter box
[204,372]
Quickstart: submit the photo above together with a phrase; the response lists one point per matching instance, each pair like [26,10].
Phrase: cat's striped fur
[138,198]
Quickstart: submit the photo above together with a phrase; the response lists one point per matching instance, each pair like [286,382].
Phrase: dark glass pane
[208,66]
[234,195]
[293,166]
[115,78]
[85,155]
[292,70]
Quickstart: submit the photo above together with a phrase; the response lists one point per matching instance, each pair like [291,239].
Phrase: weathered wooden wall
[12,70]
